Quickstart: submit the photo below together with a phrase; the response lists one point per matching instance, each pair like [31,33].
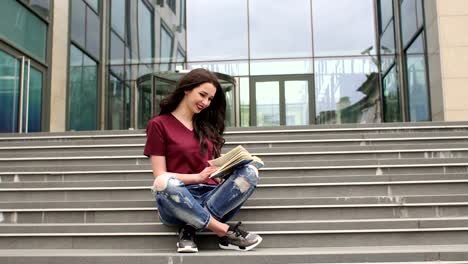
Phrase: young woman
[187,133]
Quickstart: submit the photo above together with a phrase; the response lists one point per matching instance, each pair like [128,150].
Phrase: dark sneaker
[186,242]
[238,239]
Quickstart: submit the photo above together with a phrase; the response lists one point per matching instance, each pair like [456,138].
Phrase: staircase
[387,193]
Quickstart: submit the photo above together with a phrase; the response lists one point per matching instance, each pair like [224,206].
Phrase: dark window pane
[271,37]
[391,97]
[145,33]
[94,4]
[167,43]
[117,54]
[346,91]
[409,19]
[418,96]
[24,29]
[82,97]
[229,30]
[9,97]
[93,34]
[42,7]
[386,13]
[115,103]
[343,27]
[78,16]
[35,100]
[118,16]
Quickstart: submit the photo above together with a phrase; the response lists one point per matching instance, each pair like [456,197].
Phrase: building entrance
[282,100]
[21,89]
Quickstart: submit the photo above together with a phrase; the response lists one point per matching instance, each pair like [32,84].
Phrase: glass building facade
[300,62]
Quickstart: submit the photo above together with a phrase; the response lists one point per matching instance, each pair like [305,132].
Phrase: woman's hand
[206,173]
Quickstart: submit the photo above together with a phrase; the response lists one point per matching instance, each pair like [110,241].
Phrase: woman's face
[200,97]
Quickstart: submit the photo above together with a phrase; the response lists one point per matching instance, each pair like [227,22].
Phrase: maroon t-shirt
[167,136]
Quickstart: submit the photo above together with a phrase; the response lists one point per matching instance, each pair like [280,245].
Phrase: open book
[236,157]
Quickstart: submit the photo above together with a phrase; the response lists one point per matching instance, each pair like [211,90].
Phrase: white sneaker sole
[233,247]
[186,249]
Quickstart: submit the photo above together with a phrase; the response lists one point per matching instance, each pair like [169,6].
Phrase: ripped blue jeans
[193,204]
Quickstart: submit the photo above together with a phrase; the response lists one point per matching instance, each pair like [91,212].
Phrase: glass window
[297,102]
[93,33]
[343,27]
[387,47]
[212,36]
[145,32]
[167,42]
[118,16]
[117,51]
[172,5]
[115,103]
[346,91]
[42,7]
[9,97]
[24,29]
[275,67]
[82,92]
[244,90]
[233,68]
[78,21]
[391,97]
[280,29]
[267,103]
[94,4]
[411,19]
[418,96]
[35,100]
[386,13]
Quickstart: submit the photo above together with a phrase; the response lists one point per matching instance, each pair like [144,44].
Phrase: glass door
[282,100]
[21,85]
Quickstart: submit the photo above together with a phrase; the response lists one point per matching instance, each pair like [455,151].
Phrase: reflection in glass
[144,102]
[118,16]
[418,96]
[411,19]
[145,32]
[117,53]
[228,89]
[386,13]
[244,98]
[280,29]
[82,96]
[35,100]
[233,68]
[391,97]
[78,16]
[343,27]
[226,22]
[346,91]
[93,33]
[42,7]
[297,102]
[267,103]
[9,92]
[94,4]
[167,42]
[280,67]
[115,103]
[23,29]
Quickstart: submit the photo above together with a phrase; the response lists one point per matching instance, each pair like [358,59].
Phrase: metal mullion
[401,60]
[282,102]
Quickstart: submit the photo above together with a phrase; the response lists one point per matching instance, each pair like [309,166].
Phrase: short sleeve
[155,139]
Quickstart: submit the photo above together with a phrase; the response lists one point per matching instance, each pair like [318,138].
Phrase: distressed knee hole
[242,184]
[255,170]
[161,182]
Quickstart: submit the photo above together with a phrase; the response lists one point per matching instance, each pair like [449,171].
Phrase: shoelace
[238,231]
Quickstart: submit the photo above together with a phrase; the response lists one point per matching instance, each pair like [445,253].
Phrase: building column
[59,66]
[452,20]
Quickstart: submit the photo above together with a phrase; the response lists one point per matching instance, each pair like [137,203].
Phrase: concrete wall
[59,68]
[452,24]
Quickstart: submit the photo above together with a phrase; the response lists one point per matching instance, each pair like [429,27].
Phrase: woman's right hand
[206,173]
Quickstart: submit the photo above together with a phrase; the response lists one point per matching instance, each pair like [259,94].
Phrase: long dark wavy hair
[209,123]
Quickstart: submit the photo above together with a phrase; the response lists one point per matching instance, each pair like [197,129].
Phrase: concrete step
[137,150]
[255,141]
[316,227]
[263,191]
[414,254]
[337,208]
[271,239]
[115,180]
